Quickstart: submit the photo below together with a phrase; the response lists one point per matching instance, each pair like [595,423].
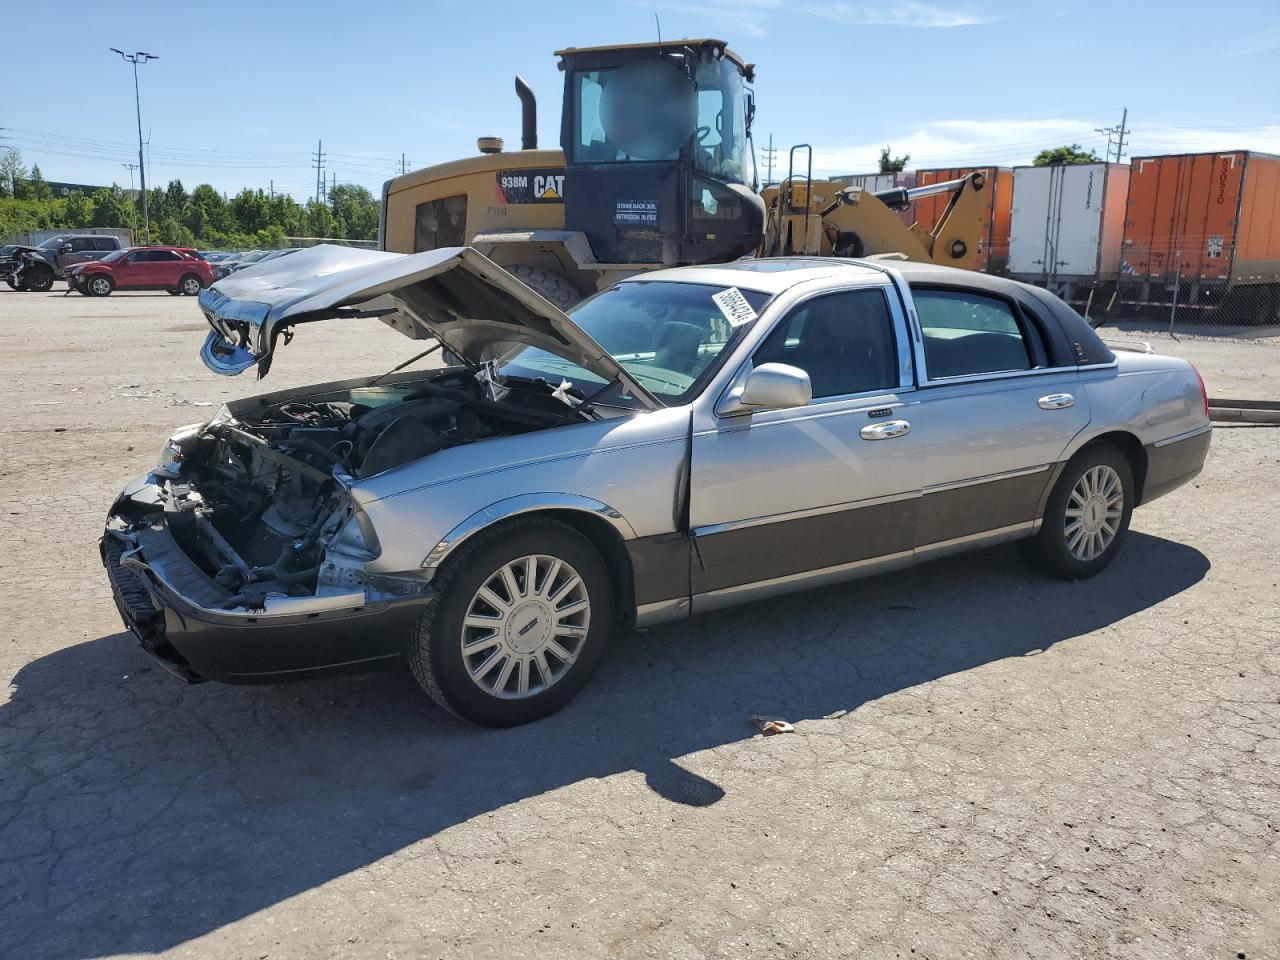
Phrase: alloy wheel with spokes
[521,615]
[1095,507]
[524,626]
[100,286]
[190,286]
[1087,514]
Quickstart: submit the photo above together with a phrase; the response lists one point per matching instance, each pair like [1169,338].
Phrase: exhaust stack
[528,115]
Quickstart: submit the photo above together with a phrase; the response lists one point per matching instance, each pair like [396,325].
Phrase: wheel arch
[1129,445]
[603,526]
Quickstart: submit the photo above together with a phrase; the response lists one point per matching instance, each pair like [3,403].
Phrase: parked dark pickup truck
[35,268]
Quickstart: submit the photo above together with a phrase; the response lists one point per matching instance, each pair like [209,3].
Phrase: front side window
[844,341]
[967,334]
[670,336]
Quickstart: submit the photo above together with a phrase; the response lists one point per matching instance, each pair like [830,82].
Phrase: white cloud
[900,13]
[1009,142]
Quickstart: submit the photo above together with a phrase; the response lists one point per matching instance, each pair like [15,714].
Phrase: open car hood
[458,296]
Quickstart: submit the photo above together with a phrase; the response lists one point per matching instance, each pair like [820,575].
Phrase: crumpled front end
[233,562]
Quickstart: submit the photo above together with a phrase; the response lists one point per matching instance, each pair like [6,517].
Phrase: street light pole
[135,59]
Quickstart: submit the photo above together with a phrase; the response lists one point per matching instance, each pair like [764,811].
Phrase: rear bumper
[1175,461]
[195,642]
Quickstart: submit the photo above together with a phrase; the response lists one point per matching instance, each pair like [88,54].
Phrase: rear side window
[164,255]
[81,244]
[968,334]
[105,243]
[844,341]
[440,223]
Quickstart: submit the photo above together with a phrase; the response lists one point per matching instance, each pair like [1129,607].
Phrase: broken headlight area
[257,501]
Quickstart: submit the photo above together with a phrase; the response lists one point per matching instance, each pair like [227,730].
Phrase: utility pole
[1116,135]
[133,207]
[328,192]
[404,166]
[272,183]
[769,154]
[318,162]
[135,59]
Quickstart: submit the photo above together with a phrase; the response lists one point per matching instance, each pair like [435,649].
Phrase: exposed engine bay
[257,498]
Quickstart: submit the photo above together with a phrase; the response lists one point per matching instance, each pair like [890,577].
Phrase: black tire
[11,283]
[552,286]
[99,285]
[434,650]
[39,279]
[190,285]
[1050,549]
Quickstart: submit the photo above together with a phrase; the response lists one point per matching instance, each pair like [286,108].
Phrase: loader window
[642,111]
[721,134]
[440,223]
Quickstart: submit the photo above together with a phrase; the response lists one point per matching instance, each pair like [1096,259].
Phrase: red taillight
[1204,393]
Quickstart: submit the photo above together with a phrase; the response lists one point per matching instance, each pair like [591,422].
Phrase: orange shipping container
[1204,217]
[996,218]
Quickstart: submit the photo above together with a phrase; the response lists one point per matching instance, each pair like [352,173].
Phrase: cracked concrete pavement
[985,763]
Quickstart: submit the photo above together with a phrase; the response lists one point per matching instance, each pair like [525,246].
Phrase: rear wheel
[1087,515]
[39,279]
[550,285]
[100,286]
[522,616]
[190,285]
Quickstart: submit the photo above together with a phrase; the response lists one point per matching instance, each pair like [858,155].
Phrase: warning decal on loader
[529,186]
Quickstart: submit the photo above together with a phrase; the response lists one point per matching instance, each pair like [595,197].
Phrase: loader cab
[659,166]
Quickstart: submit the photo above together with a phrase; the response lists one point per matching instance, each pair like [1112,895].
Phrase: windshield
[53,243]
[670,336]
[642,111]
[113,256]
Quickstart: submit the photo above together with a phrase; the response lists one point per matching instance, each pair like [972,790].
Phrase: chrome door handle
[886,430]
[1056,401]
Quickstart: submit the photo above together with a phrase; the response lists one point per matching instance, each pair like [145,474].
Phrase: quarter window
[844,341]
[967,334]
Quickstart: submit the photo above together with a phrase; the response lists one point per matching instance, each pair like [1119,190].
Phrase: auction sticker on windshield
[734,306]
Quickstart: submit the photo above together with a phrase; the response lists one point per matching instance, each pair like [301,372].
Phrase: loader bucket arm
[854,223]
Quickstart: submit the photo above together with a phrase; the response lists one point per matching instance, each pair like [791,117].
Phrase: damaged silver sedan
[689,439]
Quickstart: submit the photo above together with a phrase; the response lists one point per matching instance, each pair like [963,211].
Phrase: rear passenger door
[1000,415]
[164,269]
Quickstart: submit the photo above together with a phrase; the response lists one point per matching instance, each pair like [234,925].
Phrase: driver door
[129,269]
[784,497]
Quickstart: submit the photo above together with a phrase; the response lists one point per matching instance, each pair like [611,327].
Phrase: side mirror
[65,248]
[751,111]
[770,386]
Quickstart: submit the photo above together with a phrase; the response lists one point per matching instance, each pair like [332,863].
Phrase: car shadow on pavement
[137,814]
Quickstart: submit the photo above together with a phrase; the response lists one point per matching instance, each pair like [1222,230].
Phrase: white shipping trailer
[1068,224]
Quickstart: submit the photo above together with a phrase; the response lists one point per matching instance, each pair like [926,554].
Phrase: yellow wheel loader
[656,169]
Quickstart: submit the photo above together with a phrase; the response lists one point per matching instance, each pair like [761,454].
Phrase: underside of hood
[458,296]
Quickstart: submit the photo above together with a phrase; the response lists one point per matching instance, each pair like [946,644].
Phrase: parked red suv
[176,269]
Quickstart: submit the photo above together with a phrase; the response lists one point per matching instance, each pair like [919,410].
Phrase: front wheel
[190,285]
[100,286]
[1087,515]
[522,616]
[39,279]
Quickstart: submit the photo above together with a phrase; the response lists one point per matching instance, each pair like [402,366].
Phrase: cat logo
[550,187]
[529,186]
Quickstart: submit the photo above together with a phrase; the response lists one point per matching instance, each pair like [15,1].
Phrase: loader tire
[550,285]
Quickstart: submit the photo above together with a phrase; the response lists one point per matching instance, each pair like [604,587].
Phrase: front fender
[516,506]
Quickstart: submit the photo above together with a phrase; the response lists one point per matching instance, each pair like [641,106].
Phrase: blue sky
[242,91]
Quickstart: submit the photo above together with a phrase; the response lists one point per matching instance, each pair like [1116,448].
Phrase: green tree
[37,187]
[250,208]
[13,172]
[78,210]
[1058,156]
[176,234]
[354,206]
[892,164]
[111,208]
